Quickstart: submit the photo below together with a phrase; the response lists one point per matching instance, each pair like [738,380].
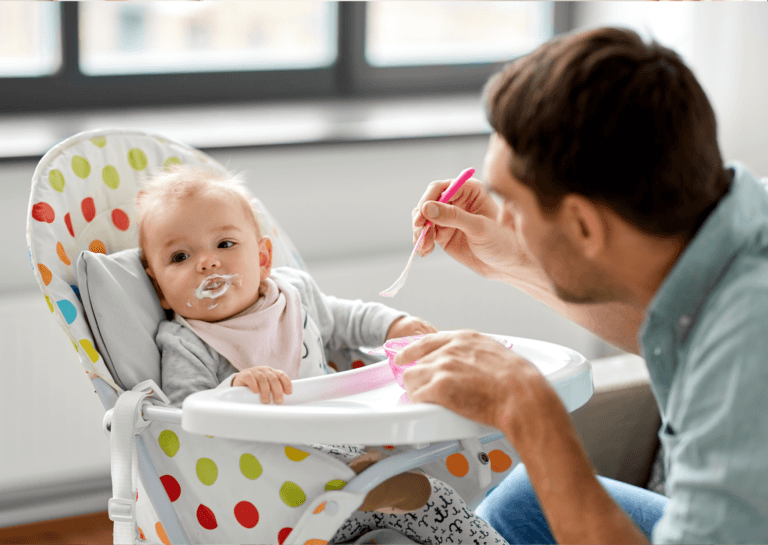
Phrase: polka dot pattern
[206,471]
[43,212]
[283,534]
[172,161]
[250,466]
[120,219]
[246,514]
[80,166]
[62,254]
[99,141]
[68,223]
[457,464]
[500,461]
[294,454]
[161,534]
[171,486]
[137,159]
[97,247]
[110,177]
[87,345]
[206,518]
[169,442]
[68,310]
[335,484]
[88,208]
[45,273]
[292,494]
[56,179]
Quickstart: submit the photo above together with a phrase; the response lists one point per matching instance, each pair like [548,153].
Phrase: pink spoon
[446,195]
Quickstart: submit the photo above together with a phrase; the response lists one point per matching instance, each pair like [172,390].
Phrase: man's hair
[180,182]
[622,122]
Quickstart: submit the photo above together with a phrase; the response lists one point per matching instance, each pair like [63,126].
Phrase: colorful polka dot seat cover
[223,491]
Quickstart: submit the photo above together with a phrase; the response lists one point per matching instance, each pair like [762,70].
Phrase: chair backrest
[83,198]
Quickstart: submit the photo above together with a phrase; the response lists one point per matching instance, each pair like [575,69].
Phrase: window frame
[349,76]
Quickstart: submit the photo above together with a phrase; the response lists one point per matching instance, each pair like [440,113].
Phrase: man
[612,205]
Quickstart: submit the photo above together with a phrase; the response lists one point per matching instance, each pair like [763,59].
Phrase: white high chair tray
[366,406]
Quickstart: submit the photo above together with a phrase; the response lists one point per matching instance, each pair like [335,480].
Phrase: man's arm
[479,379]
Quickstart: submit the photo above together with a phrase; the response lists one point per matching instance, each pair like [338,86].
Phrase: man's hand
[468,230]
[474,376]
[265,380]
[406,326]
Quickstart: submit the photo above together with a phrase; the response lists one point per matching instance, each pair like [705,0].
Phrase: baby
[239,322]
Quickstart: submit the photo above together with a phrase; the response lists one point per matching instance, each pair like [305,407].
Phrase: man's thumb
[446,215]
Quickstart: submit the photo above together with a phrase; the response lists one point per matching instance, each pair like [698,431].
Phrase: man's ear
[265,256]
[158,291]
[584,222]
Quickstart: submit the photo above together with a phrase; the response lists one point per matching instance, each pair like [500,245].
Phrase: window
[417,33]
[88,54]
[29,39]
[142,38]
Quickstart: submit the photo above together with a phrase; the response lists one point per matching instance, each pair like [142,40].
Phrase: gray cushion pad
[123,312]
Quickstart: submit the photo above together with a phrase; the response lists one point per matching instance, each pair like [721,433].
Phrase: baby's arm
[353,323]
[187,364]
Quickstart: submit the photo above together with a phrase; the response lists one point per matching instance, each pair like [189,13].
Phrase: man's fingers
[446,215]
[418,349]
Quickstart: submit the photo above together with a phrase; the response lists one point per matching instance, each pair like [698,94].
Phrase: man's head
[607,124]
[201,244]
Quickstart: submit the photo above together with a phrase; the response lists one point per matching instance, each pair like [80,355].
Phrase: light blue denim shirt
[705,340]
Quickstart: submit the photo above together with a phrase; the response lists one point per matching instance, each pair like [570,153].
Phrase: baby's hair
[182,181]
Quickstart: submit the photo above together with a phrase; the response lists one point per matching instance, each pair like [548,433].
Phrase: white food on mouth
[214,286]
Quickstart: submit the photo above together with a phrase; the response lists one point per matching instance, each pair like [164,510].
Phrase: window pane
[163,37]
[30,39]
[412,33]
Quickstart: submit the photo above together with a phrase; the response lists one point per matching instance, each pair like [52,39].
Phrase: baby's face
[205,256]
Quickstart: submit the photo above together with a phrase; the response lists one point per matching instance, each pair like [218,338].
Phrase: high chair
[225,468]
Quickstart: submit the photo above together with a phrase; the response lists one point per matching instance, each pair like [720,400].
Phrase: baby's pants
[445,518]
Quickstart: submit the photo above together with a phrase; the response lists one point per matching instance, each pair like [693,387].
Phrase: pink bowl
[392,347]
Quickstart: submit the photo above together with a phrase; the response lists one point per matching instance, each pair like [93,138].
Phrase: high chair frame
[131,409]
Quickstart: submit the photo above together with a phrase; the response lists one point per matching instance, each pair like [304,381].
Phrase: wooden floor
[93,529]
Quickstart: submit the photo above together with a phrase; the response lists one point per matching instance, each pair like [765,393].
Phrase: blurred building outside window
[172,37]
[415,33]
[30,39]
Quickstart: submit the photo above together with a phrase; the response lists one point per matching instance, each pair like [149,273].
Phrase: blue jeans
[513,509]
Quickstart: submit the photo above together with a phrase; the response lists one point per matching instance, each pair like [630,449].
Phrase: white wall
[726,46]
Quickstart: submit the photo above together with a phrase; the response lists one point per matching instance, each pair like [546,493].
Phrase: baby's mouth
[214,286]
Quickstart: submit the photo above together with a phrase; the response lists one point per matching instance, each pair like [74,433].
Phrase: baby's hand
[409,325]
[263,380]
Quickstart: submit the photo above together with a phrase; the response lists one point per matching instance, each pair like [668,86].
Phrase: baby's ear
[265,256]
[158,291]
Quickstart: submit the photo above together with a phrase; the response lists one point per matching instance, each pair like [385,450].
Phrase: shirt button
[656,351]
[684,321]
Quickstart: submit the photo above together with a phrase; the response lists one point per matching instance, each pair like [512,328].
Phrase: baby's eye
[226,244]
[178,257]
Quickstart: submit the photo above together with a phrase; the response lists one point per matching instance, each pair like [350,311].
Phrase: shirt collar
[730,226]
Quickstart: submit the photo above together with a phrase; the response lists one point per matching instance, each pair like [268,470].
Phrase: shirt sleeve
[187,364]
[717,435]
[343,323]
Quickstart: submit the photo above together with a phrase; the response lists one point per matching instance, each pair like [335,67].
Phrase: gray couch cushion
[123,312]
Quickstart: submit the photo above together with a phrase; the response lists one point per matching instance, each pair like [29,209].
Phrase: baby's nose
[207,263]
